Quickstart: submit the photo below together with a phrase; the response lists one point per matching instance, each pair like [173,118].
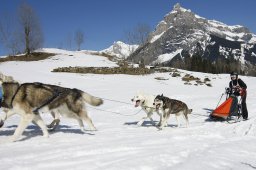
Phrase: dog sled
[230,110]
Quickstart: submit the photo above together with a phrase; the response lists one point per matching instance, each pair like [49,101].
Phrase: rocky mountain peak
[183,33]
[177,6]
[178,17]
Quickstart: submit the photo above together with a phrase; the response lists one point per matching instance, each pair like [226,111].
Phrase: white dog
[145,101]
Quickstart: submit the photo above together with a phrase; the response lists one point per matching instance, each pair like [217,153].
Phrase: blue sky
[105,21]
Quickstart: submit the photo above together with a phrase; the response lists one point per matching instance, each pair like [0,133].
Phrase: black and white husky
[145,101]
[29,99]
[171,106]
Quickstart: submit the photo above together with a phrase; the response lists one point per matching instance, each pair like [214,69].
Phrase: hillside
[119,143]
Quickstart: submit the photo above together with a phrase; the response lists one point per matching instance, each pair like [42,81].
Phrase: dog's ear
[4,78]
[162,95]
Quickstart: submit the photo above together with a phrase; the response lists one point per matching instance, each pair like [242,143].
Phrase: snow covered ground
[119,143]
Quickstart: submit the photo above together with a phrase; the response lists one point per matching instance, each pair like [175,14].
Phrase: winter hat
[233,73]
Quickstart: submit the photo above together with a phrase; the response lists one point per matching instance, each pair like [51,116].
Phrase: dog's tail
[94,101]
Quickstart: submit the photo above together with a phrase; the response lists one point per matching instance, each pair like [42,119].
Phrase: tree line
[200,64]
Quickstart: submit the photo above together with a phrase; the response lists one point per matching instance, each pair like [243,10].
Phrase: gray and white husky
[171,106]
[29,99]
[145,101]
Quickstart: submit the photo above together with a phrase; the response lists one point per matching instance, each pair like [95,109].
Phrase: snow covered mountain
[182,34]
[120,50]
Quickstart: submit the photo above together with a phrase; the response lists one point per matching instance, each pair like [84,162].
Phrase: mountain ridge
[183,33]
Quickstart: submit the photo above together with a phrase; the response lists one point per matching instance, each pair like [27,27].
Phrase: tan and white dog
[29,99]
[145,101]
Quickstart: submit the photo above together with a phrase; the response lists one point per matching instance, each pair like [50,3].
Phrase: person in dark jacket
[238,88]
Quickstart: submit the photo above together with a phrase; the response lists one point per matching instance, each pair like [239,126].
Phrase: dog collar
[1,93]
[1,98]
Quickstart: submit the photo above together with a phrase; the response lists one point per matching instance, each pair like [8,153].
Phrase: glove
[242,91]
[228,90]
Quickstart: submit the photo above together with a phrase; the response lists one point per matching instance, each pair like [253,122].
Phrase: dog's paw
[158,124]
[90,129]
[93,129]
[139,123]
[159,128]
[12,139]
[53,125]
[82,129]
[46,136]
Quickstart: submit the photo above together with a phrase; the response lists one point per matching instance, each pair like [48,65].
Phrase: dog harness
[56,93]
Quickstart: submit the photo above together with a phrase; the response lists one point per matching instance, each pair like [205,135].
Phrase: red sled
[226,109]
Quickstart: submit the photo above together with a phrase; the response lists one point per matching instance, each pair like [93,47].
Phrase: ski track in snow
[119,143]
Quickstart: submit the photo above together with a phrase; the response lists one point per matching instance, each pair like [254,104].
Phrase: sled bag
[226,108]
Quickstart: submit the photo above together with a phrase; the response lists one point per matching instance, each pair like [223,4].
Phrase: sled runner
[230,110]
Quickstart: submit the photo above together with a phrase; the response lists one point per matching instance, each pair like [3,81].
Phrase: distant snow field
[119,144]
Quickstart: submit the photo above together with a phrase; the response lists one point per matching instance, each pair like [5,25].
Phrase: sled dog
[145,101]
[171,106]
[29,99]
